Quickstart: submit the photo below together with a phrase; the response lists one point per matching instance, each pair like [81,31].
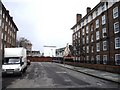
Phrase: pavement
[96,73]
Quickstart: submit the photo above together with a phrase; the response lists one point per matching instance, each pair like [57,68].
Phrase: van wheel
[20,73]
[24,70]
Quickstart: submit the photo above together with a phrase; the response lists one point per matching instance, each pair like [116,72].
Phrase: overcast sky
[47,22]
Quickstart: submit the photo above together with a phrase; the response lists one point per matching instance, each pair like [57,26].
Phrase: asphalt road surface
[51,75]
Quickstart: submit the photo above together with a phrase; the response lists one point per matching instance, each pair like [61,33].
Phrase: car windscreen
[11,61]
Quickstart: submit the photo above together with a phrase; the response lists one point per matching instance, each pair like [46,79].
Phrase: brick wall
[109,68]
[39,59]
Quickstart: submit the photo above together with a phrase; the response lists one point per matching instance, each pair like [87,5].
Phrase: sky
[47,22]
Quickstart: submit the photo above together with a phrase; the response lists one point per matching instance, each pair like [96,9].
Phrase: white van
[15,61]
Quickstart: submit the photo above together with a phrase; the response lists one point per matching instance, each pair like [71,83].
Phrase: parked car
[28,62]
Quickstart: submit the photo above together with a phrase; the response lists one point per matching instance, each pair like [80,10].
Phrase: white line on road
[61,72]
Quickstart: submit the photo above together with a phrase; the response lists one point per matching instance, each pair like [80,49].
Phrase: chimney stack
[78,17]
[11,18]
[88,9]
[7,11]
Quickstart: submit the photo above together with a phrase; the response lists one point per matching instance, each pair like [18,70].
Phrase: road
[51,75]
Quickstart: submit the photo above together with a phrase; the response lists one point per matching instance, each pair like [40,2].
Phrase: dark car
[28,62]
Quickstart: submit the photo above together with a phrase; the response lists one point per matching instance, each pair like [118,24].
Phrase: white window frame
[104,45]
[98,59]
[2,35]
[91,27]
[3,15]
[97,47]
[87,49]
[84,48]
[105,59]
[92,38]
[5,28]
[103,32]
[87,58]
[3,25]
[78,33]
[97,23]
[103,7]
[96,12]
[97,35]
[116,27]
[103,19]
[83,31]
[87,39]
[83,40]
[115,12]
[87,29]
[92,49]
[0,12]
[117,61]
[117,43]
[6,19]
[0,22]
[92,59]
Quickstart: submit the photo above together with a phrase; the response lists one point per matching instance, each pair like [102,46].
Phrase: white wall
[49,51]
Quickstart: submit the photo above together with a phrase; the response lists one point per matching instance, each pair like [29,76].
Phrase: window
[0,22]
[87,59]
[83,31]
[97,12]
[103,20]
[78,33]
[92,49]
[98,59]
[1,46]
[117,42]
[3,15]
[103,7]
[83,40]
[104,45]
[9,23]
[0,12]
[98,47]
[3,25]
[6,19]
[91,38]
[2,36]
[87,49]
[86,29]
[116,27]
[5,28]
[104,59]
[92,59]
[104,33]
[115,12]
[117,59]
[5,37]
[84,48]
[91,16]
[97,23]
[78,27]
[86,20]
[87,39]
[97,35]
[91,27]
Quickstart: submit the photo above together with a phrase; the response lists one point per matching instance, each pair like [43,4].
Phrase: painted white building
[49,51]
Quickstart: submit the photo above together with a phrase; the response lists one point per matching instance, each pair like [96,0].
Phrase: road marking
[67,80]
[61,72]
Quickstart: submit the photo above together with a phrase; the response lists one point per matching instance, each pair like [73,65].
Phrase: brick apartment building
[8,29]
[96,36]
